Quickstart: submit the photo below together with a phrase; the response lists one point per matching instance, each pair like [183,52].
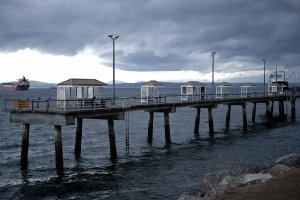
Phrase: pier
[51,112]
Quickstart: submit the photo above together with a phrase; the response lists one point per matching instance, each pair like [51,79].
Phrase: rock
[252,170]
[291,160]
[254,178]
[228,180]
[187,196]
[277,169]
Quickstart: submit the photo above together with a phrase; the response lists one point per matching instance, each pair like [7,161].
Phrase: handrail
[52,104]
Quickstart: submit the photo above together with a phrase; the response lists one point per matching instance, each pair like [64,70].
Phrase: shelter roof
[225,84]
[153,83]
[248,84]
[278,84]
[82,82]
[194,83]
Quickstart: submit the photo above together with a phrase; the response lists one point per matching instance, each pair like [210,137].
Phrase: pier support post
[245,125]
[228,116]
[254,112]
[281,109]
[210,122]
[78,137]
[293,108]
[197,122]
[167,128]
[24,147]
[272,109]
[58,150]
[150,127]
[112,139]
[268,113]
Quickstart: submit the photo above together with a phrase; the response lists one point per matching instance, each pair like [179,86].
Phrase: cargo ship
[21,84]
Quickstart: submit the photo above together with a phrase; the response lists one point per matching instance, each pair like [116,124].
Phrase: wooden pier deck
[50,112]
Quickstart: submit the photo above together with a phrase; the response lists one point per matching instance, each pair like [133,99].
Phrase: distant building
[193,91]
[277,83]
[78,90]
[150,92]
[247,89]
[222,90]
[276,88]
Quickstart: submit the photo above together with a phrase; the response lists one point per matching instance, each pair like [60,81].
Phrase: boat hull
[14,88]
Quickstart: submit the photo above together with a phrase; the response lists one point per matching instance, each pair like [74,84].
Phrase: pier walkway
[59,113]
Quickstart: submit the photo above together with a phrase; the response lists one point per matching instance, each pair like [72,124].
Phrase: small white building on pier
[247,89]
[193,91]
[222,90]
[150,92]
[77,92]
[276,88]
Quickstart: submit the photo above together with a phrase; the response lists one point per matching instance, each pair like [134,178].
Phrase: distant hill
[138,85]
[37,84]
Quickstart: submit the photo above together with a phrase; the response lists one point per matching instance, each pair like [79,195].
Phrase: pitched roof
[153,83]
[225,84]
[82,82]
[278,84]
[248,84]
[194,83]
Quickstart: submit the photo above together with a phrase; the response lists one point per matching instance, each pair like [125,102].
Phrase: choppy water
[147,171]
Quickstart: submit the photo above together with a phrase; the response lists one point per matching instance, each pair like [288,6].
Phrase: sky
[165,40]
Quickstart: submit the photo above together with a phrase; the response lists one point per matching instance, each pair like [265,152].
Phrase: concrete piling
[281,109]
[245,125]
[228,116]
[293,108]
[58,150]
[197,122]
[268,113]
[24,147]
[112,139]
[210,122]
[150,127]
[78,137]
[254,112]
[167,128]
[271,108]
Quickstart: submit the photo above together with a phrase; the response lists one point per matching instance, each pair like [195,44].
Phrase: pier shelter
[77,92]
[150,92]
[247,89]
[192,91]
[222,90]
[276,88]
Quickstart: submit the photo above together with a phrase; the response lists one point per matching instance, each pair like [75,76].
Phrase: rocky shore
[280,180]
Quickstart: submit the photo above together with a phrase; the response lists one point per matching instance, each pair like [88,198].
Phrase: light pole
[114,87]
[212,75]
[264,60]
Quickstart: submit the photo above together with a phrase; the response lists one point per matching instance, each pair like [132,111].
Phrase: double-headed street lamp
[114,87]
[212,75]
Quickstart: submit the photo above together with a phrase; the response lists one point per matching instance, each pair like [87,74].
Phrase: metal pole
[213,69]
[114,90]
[114,86]
[264,60]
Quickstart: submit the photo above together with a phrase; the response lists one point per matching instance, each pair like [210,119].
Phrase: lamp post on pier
[114,87]
[264,60]
[212,75]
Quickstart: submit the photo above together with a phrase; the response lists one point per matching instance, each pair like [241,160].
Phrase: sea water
[146,171]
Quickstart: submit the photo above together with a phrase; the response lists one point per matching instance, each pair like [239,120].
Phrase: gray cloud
[158,35]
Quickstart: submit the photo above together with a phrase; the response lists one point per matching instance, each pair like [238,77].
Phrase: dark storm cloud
[155,34]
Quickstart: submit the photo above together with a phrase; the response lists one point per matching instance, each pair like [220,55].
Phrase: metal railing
[57,105]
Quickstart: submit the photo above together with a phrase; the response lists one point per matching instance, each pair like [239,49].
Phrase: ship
[21,84]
